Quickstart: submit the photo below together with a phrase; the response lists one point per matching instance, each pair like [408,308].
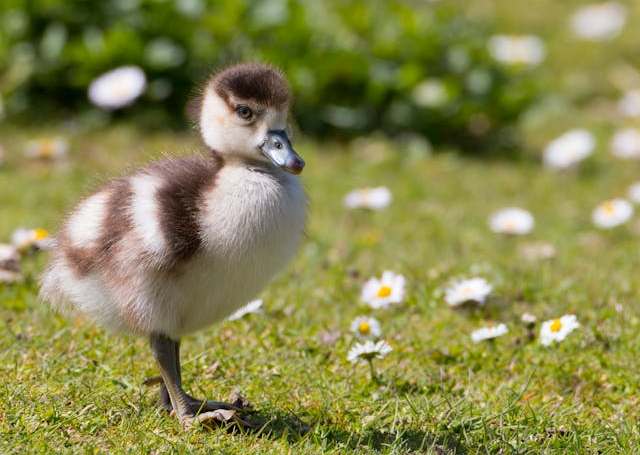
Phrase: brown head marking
[252,81]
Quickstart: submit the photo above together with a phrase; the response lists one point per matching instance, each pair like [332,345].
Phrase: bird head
[243,112]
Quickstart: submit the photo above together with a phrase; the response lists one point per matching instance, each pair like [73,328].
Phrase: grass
[69,386]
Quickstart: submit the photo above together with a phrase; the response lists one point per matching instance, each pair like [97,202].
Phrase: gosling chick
[183,242]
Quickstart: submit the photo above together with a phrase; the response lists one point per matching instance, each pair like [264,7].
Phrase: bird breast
[251,223]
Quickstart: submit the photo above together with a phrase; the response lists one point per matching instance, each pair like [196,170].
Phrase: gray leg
[167,354]
[164,351]
[165,401]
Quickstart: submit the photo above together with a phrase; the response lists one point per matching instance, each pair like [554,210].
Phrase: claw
[216,418]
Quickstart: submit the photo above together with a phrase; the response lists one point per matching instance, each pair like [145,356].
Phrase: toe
[210,405]
[210,419]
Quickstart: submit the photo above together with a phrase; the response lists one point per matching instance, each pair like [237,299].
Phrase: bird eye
[244,112]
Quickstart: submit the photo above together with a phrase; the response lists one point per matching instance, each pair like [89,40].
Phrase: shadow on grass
[278,425]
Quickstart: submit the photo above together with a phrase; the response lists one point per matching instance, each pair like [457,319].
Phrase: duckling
[183,242]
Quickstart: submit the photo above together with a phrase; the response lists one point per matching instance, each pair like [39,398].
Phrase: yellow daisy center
[47,148]
[467,291]
[555,326]
[364,328]
[609,208]
[384,291]
[41,234]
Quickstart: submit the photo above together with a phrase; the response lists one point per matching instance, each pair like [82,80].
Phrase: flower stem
[374,377]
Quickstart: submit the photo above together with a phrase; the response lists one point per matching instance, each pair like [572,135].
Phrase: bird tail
[51,288]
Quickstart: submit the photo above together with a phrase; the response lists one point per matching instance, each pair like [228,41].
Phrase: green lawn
[69,386]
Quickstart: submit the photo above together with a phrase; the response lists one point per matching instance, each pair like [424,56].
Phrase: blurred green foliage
[355,65]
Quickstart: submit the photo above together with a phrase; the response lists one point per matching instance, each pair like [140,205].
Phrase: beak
[278,149]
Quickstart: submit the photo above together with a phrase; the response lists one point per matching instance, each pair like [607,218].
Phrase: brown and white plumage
[183,242]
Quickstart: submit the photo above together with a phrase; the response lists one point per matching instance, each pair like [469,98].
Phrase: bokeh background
[453,111]
[424,67]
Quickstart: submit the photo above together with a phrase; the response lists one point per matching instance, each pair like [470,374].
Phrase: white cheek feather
[213,121]
[145,212]
[85,225]
[222,131]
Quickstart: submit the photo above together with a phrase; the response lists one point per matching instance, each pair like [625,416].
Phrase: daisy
[190,8]
[599,21]
[47,149]
[488,333]
[528,318]
[557,329]
[24,239]
[162,53]
[629,104]
[430,93]
[537,251]
[117,88]
[471,290]
[380,293]
[368,350]
[517,49]
[569,149]
[634,193]
[366,327]
[612,213]
[511,220]
[255,306]
[626,143]
[9,264]
[368,198]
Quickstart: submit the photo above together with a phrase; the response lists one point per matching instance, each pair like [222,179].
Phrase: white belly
[251,224]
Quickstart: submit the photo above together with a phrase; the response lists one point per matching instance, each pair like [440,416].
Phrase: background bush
[355,65]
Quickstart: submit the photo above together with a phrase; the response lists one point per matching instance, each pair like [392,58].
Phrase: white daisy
[528,318]
[368,198]
[380,293]
[569,149]
[517,49]
[9,264]
[162,53]
[366,327]
[471,290]
[557,329]
[368,350]
[489,333]
[255,306]
[190,8]
[117,88]
[47,148]
[629,104]
[430,93]
[634,193]
[537,251]
[599,21]
[511,220]
[612,213]
[626,143]
[24,239]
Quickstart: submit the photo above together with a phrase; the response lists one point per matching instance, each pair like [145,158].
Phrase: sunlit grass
[67,384]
